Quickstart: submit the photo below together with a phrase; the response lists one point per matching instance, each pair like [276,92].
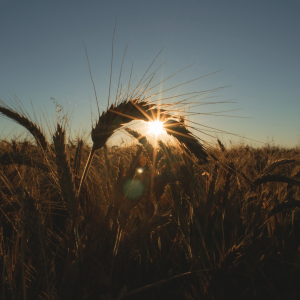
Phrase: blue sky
[255,43]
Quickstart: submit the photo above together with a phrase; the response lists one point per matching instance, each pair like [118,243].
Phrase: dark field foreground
[229,227]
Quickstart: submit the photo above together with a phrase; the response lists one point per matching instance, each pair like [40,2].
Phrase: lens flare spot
[133,189]
[140,170]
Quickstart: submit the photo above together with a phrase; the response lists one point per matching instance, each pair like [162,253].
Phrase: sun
[155,128]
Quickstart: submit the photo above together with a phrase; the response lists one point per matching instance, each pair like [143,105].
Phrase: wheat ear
[141,139]
[25,122]
[65,176]
[186,138]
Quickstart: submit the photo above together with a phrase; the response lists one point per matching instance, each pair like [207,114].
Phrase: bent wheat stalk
[134,109]
[25,122]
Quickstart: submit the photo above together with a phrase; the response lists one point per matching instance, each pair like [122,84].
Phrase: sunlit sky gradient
[256,44]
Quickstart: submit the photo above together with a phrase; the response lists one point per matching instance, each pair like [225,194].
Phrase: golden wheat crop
[146,221]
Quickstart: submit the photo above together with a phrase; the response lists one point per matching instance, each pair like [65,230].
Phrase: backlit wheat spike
[115,117]
[185,137]
[142,139]
[25,122]
[64,171]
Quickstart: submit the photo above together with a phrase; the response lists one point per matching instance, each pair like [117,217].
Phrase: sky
[254,45]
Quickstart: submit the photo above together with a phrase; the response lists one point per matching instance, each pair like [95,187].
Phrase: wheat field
[144,221]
